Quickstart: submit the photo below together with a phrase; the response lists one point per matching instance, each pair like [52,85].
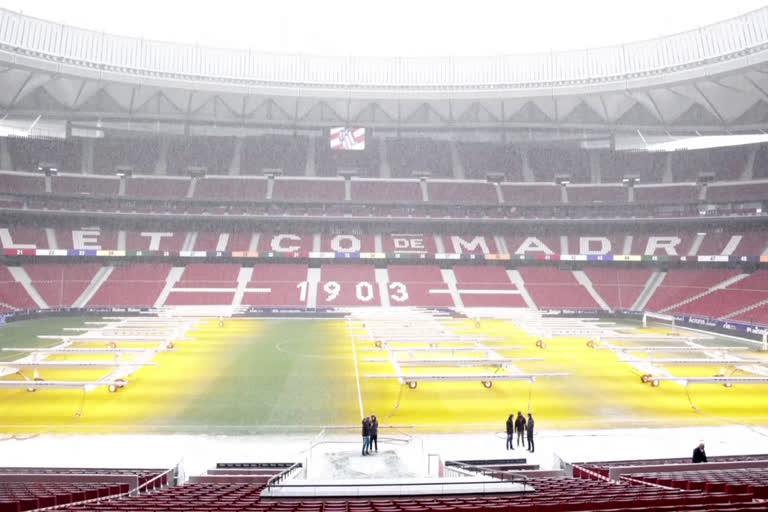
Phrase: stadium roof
[713,79]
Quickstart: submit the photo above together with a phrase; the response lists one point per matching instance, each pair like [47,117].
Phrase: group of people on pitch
[370,434]
[520,425]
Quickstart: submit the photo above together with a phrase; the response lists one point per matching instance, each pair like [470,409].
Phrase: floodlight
[630,180]
[562,180]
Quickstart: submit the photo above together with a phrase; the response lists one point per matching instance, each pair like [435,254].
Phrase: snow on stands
[93,186]
[486,286]
[132,285]
[385,191]
[231,189]
[61,284]
[145,187]
[276,285]
[619,287]
[348,285]
[464,192]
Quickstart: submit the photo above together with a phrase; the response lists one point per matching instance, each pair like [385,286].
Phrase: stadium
[216,262]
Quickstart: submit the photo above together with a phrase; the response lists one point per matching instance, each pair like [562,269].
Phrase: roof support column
[384,169]
[458,168]
[527,172]
[310,168]
[5,155]
[86,156]
[161,166]
[749,168]
[667,177]
[234,165]
[595,173]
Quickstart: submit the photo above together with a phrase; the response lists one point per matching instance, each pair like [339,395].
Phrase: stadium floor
[281,376]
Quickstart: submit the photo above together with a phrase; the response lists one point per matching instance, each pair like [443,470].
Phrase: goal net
[658,319]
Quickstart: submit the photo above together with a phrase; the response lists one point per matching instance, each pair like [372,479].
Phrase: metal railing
[67,45]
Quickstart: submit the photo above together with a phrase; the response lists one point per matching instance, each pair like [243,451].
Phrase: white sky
[390,27]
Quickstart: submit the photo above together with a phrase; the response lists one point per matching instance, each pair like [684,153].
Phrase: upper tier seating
[465,193]
[481,158]
[548,162]
[27,153]
[132,285]
[672,194]
[69,185]
[138,153]
[329,162]
[615,165]
[283,152]
[618,287]
[734,191]
[214,154]
[531,193]
[386,190]
[415,154]
[725,163]
[590,194]
[553,288]
[156,187]
[231,189]
[307,189]
[16,183]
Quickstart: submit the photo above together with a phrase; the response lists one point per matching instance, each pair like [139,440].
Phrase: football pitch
[292,375]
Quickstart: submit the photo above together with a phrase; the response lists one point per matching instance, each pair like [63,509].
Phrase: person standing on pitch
[699,455]
[529,431]
[510,432]
[374,434]
[366,435]
[520,428]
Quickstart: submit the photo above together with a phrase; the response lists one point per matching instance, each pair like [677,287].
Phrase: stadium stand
[619,288]
[138,153]
[362,163]
[132,285]
[481,158]
[386,190]
[275,284]
[591,194]
[273,151]
[60,284]
[424,284]
[555,288]
[27,153]
[71,185]
[231,189]
[683,284]
[464,193]
[21,183]
[152,187]
[486,286]
[308,189]
[213,155]
[419,155]
[531,193]
[667,193]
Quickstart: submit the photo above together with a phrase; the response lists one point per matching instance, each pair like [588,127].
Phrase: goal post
[658,318]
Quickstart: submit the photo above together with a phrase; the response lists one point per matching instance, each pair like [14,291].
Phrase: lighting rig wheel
[112,345]
[118,384]
[655,383]
[591,343]
[377,343]
[36,379]
[645,379]
[487,384]
[169,345]
[412,384]
[728,384]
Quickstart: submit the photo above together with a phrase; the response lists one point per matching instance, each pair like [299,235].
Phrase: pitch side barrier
[29,314]
[750,331]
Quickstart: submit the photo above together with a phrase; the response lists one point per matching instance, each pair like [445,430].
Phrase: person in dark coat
[366,435]
[529,430]
[520,428]
[699,455]
[374,433]
[510,432]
